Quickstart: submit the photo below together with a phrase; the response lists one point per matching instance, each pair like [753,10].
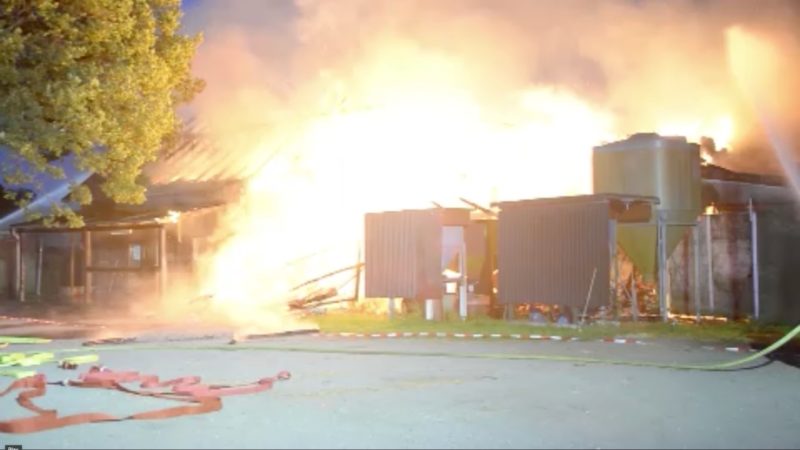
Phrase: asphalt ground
[342,400]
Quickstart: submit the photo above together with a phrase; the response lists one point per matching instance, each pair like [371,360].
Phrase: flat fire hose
[197,398]
[498,356]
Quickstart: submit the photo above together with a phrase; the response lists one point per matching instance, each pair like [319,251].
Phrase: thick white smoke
[654,65]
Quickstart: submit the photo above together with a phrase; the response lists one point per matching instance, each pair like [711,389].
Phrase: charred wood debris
[309,300]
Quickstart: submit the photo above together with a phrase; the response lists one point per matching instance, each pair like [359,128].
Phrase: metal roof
[592,198]
[200,157]
[644,141]
[132,221]
[714,172]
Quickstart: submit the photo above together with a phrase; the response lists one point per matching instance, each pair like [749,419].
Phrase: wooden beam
[39,264]
[99,228]
[357,288]
[162,262]
[20,269]
[72,249]
[122,269]
[87,263]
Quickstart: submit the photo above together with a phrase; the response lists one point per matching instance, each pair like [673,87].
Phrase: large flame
[397,141]
[720,129]
[408,129]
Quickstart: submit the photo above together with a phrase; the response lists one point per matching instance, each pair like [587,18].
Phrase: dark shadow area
[788,358]
[789,354]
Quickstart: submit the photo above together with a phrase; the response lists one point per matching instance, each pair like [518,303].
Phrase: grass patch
[333,322]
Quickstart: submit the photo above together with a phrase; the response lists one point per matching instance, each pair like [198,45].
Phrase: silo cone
[647,164]
[639,244]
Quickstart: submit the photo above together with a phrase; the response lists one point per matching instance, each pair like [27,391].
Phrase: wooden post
[696,264]
[17,262]
[663,278]
[588,297]
[634,296]
[162,263]
[39,264]
[87,264]
[463,293]
[710,264]
[612,249]
[357,289]
[490,260]
[72,248]
[754,253]
[20,263]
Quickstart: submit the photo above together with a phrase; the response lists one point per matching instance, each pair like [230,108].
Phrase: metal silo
[666,167]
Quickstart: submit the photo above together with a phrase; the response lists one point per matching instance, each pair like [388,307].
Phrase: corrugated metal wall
[403,252]
[547,251]
[779,258]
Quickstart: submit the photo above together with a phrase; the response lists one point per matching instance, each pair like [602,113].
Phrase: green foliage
[77,76]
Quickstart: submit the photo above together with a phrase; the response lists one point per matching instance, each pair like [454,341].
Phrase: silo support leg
[663,273]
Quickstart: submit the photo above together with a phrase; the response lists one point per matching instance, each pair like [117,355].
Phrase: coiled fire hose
[496,356]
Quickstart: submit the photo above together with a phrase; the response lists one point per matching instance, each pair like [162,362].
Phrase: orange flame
[408,130]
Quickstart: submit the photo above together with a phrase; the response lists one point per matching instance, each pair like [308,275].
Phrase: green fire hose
[22,340]
[496,356]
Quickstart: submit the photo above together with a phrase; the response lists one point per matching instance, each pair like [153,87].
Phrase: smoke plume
[655,66]
[375,105]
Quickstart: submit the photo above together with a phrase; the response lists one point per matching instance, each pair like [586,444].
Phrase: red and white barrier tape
[515,336]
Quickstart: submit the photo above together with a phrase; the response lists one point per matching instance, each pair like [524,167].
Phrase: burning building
[127,251]
[444,256]
[200,243]
[712,241]
[340,109]
[716,247]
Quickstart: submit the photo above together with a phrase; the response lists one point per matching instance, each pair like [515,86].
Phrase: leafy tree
[100,79]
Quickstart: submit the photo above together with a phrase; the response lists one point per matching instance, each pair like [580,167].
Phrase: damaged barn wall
[110,250]
[731,253]
[115,251]
[186,241]
[54,264]
[732,268]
